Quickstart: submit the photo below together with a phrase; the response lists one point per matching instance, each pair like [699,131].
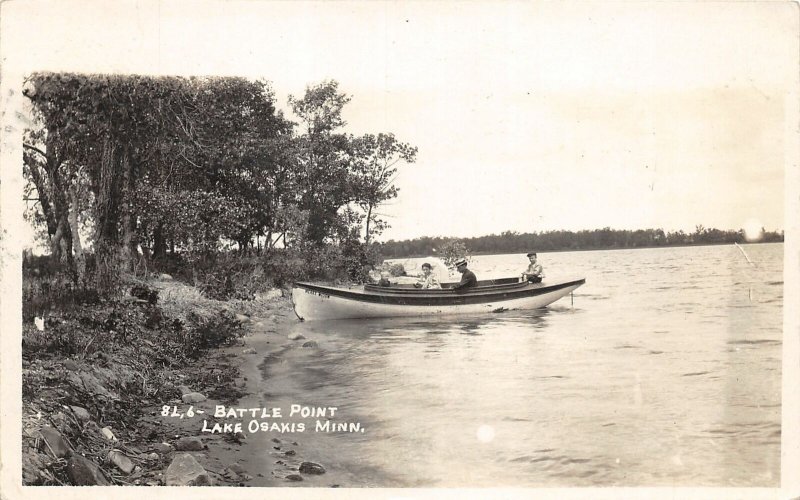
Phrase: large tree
[374,160]
[337,169]
[322,160]
[148,147]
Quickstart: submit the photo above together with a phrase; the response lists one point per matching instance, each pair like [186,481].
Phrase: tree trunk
[107,203]
[159,243]
[130,250]
[61,242]
[43,190]
[80,259]
[369,216]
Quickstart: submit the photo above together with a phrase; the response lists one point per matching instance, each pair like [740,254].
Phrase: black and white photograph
[400,249]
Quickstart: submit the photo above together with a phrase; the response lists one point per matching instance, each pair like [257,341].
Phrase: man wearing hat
[468,278]
[534,271]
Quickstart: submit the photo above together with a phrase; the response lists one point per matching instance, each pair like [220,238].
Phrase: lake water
[664,369]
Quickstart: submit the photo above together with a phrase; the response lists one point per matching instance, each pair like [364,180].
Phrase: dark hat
[531,253]
[427,265]
[461,262]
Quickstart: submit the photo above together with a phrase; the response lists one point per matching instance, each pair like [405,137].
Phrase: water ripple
[755,342]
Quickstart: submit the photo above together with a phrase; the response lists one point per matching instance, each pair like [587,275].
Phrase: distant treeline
[549,241]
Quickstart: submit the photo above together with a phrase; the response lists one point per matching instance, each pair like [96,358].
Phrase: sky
[527,116]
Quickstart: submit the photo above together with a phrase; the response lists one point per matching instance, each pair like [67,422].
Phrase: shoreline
[599,249]
[162,442]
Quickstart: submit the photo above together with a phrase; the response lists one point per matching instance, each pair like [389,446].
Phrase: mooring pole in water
[572,298]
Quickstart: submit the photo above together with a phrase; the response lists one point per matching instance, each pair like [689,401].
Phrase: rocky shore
[106,404]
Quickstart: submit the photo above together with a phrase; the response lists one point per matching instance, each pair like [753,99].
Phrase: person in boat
[468,278]
[427,280]
[534,272]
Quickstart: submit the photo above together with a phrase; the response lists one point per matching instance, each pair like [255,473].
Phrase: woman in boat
[468,278]
[534,272]
[427,280]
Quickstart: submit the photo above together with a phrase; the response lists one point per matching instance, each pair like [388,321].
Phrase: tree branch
[34,148]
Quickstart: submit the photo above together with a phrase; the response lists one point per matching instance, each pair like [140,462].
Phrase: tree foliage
[197,165]
[606,238]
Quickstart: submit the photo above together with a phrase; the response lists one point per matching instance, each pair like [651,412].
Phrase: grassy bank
[95,369]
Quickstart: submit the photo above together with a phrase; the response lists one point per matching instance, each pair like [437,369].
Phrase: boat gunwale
[451,298]
[450,289]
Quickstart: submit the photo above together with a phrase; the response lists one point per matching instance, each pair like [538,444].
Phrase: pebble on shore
[189,444]
[193,397]
[185,470]
[311,468]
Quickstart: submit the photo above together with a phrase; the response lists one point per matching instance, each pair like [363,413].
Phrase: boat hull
[318,302]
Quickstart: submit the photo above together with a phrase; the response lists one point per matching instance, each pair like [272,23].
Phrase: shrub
[285,266]
[228,276]
[452,250]
[48,288]
[397,270]
[221,329]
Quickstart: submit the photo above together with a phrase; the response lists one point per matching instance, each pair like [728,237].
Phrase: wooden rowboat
[317,302]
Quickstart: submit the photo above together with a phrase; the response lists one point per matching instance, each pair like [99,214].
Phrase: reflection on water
[665,370]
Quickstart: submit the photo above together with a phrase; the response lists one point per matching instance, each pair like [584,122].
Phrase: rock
[163,448]
[231,475]
[249,350]
[310,343]
[71,365]
[238,469]
[122,462]
[289,453]
[259,324]
[311,468]
[242,318]
[296,336]
[189,444]
[153,456]
[34,468]
[83,472]
[276,440]
[184,390]
[193,397]
[186,471]
[81,413]
[294,477]
[245,477]
[106,432]
[60,421]
[87,382]
[272,293]
[164,276]
[54,443]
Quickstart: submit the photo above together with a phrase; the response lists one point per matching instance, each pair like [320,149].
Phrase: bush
[397,270]
[451,251]
[218,330]
[228,276]
[48,288]
[285,266]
